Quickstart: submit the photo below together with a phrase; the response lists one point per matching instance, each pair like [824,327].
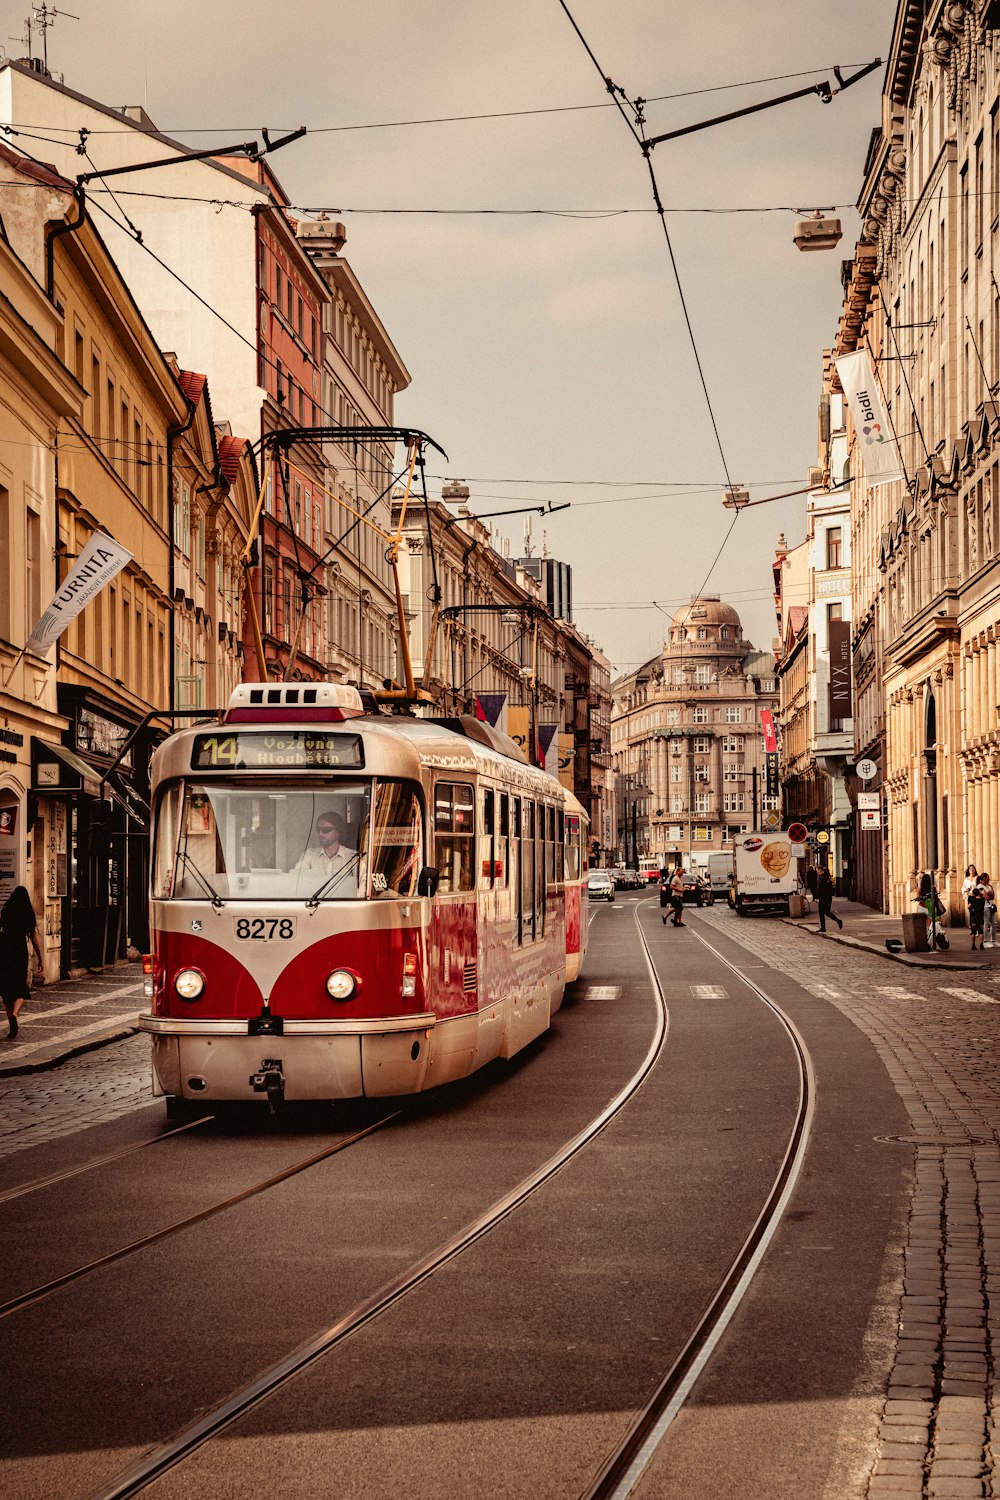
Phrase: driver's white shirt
[334,868]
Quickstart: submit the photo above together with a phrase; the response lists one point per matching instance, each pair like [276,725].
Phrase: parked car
[697,889]
[600,886]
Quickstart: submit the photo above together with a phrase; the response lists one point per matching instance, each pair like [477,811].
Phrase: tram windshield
[219,841]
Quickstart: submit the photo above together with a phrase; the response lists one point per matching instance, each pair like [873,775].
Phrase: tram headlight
[341,984]
[189,983]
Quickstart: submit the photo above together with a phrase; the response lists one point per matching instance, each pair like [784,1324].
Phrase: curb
[57,1053]
[898,958]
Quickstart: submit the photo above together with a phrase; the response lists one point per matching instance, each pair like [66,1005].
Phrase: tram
[350,904]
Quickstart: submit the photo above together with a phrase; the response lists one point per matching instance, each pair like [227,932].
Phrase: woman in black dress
[18,927]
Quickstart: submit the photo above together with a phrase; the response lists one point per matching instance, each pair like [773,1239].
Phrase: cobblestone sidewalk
[73,1016]
[939,1039]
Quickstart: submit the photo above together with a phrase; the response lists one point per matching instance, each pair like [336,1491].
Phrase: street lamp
[817,233]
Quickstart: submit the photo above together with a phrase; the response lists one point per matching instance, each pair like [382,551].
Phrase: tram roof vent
[284,702]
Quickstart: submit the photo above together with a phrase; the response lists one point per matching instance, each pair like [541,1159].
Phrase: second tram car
[347,904]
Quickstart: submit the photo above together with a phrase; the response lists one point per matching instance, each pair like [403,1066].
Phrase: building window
[734,715]
[733,772]
[834,545]
[701,773]
[732,745]
[732,802]
[702,676]
[724,633]
[702,633]
[676,804]
[701,744]
[702,801]
[700,716]
[676,773]
[673,716]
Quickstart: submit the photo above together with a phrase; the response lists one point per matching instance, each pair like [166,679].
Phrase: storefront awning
[118,789]
[56,769]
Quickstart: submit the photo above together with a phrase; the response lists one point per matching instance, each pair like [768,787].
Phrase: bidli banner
[876,443]
[97,564]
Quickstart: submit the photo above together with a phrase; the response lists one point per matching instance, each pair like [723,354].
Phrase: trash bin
[915,932]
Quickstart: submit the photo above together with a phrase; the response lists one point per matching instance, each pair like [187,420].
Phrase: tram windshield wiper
[316,897]
[202,879]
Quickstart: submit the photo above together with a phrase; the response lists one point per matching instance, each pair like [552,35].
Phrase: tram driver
[336,867]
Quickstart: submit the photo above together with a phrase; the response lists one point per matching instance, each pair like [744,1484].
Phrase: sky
[545,338]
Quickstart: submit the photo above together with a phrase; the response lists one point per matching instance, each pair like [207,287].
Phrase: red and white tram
[347,905]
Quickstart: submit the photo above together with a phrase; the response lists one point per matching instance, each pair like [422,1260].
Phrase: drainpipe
[54,234]
[173,433]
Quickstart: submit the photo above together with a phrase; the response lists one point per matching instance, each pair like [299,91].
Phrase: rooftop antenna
[528,548]
[24,41]
[44,17]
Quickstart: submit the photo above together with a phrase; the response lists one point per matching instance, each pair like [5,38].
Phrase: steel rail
[157,1462]
[37,1183]
[39,1293]
[624,1468]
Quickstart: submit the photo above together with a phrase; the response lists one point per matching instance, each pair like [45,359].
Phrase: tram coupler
[270,1080]
[266,1024]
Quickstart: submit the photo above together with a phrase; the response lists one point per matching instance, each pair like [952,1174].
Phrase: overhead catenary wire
[549,109]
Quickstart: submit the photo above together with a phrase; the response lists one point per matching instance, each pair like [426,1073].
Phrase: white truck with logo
[765,875]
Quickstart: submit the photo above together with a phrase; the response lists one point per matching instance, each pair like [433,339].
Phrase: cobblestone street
[88,1090]
[939,1041]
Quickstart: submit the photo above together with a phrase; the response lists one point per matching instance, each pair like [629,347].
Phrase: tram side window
[396,843]
[165,846]
[528,868]
[454,835]
[560,846]
[552,850]
[503,840]
[572,847]
[487,840]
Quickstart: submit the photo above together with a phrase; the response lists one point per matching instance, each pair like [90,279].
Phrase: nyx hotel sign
[840,669]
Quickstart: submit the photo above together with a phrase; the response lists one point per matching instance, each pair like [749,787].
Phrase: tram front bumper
[216,1060]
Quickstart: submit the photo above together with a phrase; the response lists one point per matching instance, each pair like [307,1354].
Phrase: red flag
[767,725]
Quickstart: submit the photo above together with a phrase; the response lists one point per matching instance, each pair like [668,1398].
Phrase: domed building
[687,743]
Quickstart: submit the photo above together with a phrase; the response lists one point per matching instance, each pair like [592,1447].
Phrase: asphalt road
[516,1369]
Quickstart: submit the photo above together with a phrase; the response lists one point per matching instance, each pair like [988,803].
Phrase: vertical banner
[518,722]
[840,669]
[97,564]
[768,731]
[876,442]
[771,788]
[548,748]
[490,708]
[567,759]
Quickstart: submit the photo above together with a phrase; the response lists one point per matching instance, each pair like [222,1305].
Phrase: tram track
[109,1159]
[624,1468]
[38,1293]
[168,1455]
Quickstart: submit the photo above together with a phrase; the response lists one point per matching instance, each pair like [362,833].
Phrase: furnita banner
[876,440]
[97,564]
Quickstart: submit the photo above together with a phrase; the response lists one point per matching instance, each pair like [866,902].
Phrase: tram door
[529,906]
[515,869]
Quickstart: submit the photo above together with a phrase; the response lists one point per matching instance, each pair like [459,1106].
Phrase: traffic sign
[867,769]
[798,833]
[822,837]
[772,821]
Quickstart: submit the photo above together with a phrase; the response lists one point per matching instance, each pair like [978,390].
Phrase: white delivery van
[765,874]
[720,873]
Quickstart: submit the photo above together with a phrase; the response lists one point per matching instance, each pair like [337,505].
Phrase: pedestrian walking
[969,883]
[677,898]
[18,928]
[664,895]
[989,912]
[977,911]
[824,896]
[812,880]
